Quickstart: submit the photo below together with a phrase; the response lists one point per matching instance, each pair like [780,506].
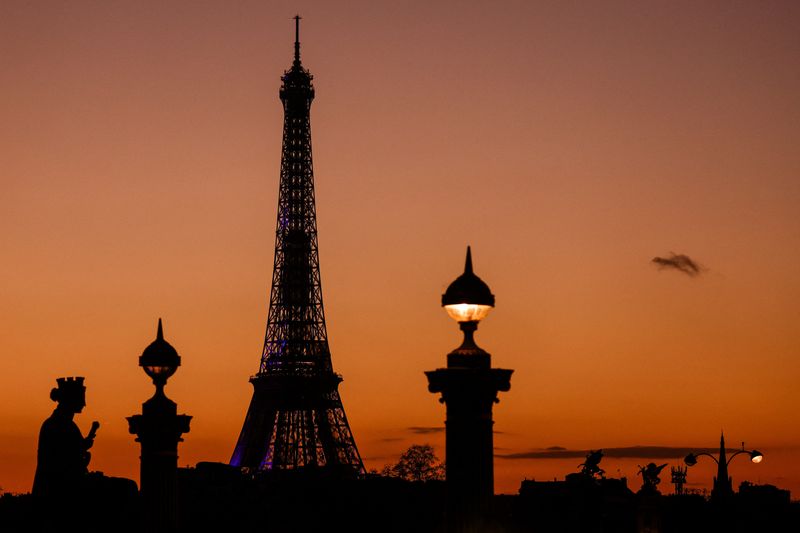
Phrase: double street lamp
[723,486]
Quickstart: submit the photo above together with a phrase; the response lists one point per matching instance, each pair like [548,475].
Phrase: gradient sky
[568,142]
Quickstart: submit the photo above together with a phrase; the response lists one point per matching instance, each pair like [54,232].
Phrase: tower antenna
[297,38]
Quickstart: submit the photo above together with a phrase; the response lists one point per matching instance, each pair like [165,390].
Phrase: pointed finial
[297,38]
[160,334]
[468,265]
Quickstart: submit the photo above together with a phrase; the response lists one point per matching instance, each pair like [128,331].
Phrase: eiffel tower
[296,419]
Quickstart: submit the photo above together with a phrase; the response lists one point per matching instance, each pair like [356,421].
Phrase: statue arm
[88,441]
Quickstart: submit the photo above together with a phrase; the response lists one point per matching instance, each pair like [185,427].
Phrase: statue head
[70,394]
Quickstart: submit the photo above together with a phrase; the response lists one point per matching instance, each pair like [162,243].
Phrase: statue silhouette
[650,476]
[63,456]
[591,466]
[66,495]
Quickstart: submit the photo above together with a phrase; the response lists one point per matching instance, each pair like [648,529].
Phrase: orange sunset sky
[568,142]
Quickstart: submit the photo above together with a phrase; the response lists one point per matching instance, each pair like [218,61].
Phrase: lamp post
[159,429]
[723,487]
[469,387]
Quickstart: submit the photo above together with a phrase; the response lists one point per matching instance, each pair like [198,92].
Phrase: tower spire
[468,263]
[297,39]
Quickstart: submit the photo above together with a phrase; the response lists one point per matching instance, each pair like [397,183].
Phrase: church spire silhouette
[722,483]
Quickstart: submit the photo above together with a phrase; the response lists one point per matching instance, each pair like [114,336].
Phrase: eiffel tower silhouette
[296,418]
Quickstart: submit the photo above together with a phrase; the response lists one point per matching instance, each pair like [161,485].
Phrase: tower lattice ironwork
[296,418]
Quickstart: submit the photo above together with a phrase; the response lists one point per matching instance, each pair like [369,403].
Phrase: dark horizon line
[625,452]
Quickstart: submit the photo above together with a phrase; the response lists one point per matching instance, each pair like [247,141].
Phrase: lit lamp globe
[159,360]
[468,300]
[465,312]
[756,456]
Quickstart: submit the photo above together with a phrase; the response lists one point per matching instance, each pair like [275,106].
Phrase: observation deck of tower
[296,418]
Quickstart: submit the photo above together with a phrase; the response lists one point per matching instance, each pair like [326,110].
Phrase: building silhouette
[296,418]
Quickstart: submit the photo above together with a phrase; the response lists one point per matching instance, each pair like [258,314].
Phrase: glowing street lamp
[723,486]
[755,456]
[468,300]
[468,387]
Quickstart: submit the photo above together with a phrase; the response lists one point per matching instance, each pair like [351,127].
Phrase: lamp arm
[708,455]
[737,452]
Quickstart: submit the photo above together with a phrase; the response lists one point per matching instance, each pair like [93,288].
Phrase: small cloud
[392,439]
[680,262]
[418,430]
[555,448]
